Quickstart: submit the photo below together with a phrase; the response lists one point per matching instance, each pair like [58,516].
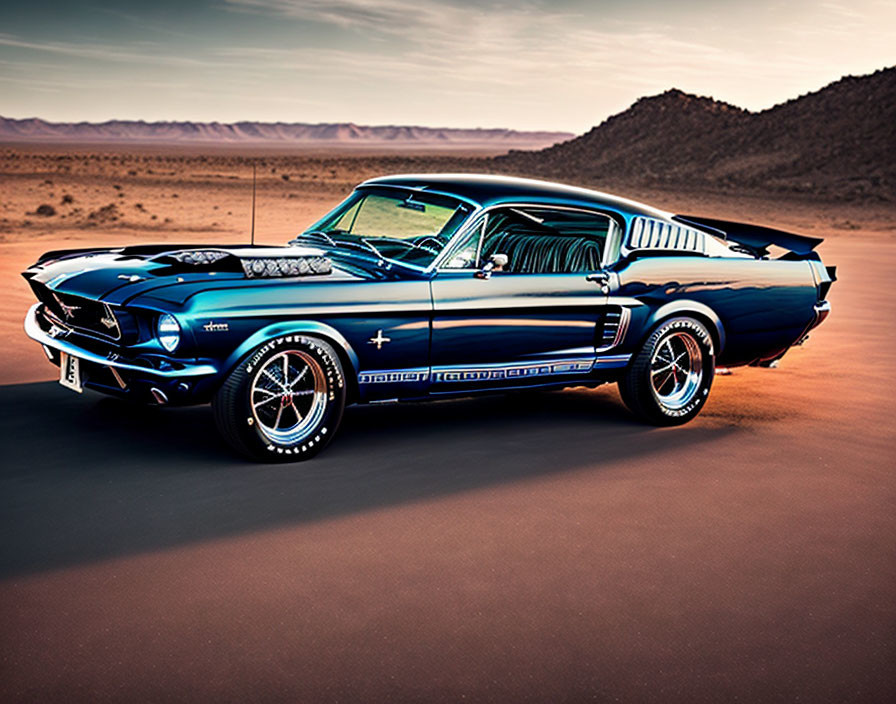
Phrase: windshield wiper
[360,244]
[321,235]
[371,247]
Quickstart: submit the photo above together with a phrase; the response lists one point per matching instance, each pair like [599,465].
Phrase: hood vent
[254,267]
[273,267]
[199,257]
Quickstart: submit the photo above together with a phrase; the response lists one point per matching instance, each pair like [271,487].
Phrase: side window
[536,241]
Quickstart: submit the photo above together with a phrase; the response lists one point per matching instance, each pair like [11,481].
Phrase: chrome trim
[35,332]
[394,376]
[492,372]
[625,316]
[498,372]
[614,360]
[159,396]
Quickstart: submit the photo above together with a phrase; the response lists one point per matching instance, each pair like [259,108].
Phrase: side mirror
[496,262]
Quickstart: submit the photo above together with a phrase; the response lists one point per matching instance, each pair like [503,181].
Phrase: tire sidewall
[661,413]
[253,437]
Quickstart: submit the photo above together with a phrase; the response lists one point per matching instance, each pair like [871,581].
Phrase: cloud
[530,63]
[104,53]
[390,16]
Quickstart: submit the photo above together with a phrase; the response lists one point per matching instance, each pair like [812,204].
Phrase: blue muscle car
[421,287]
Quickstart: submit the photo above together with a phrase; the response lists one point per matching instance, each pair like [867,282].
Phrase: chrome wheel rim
[288,397]
[676,370]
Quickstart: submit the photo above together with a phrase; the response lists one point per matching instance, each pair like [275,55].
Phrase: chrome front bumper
[59,343]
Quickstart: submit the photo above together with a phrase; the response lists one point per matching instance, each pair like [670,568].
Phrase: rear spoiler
[754,237]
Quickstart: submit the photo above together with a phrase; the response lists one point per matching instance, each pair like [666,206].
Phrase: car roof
[485,191]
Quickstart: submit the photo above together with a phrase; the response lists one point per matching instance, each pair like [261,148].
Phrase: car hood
[175,272]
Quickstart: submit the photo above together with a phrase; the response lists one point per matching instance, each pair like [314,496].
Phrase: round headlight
[168,332]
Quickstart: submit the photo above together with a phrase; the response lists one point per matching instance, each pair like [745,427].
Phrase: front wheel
[284,402]
[669,380]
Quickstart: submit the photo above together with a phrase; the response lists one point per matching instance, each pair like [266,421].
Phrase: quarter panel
[763,305]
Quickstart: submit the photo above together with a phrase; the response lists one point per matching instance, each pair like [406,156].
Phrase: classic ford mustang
[420,287]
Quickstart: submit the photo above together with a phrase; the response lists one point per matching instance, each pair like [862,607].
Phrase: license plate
[70,372]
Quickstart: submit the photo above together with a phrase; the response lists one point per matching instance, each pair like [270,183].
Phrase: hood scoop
[272,267]
[262,263]
[197,257]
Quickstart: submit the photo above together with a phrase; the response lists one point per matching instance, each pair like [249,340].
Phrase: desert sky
[534,64]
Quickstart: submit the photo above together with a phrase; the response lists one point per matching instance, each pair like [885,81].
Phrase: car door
[533,321]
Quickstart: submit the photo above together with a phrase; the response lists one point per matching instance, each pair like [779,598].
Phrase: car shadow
[86,478]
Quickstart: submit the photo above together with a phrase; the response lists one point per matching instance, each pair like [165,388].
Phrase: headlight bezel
[168,332]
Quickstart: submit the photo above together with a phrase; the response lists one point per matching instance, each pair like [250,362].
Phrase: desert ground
[544,547]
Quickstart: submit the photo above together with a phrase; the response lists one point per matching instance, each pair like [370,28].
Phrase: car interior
[545,241]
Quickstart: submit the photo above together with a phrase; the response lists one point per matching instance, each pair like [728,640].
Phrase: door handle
[602,279]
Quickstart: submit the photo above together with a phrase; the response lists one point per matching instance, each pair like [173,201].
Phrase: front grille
[88,315]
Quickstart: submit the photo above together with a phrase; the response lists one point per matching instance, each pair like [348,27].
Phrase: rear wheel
[669,380]
[284,402]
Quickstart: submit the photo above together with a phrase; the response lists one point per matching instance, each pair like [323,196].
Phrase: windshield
[408,226]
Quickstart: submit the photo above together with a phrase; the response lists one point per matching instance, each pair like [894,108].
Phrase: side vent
[647,233]
[615,325]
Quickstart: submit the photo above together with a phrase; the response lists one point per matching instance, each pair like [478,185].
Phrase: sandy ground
[541,548]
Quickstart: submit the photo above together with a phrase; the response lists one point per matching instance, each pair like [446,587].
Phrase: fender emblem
[215,327]
[379,340]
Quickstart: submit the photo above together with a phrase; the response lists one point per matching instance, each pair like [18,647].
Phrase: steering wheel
[422,241]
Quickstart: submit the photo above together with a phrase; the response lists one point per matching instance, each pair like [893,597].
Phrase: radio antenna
[252,241]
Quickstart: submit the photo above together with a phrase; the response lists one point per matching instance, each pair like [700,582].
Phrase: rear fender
[691,309]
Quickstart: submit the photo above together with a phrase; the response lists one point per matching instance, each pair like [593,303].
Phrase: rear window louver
[648,233]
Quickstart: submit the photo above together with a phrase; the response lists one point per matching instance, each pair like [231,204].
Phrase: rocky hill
[119,131]
[839,141]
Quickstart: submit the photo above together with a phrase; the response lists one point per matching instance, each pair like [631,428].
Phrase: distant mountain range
[839,141]
[35,129]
